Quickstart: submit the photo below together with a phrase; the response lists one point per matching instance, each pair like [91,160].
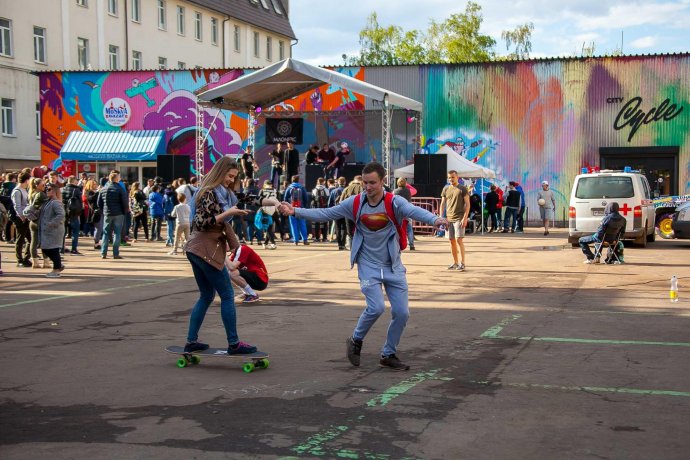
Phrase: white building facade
[43,35]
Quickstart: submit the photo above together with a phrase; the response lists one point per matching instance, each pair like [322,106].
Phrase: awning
[114,145]
[285,79]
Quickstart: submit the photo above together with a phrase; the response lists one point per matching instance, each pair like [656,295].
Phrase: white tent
[464,167]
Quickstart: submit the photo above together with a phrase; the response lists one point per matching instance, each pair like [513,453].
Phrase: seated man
[611,226]
[247,271]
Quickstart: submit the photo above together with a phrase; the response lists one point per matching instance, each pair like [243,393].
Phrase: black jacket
[112,200]
[513,199]
[491,201]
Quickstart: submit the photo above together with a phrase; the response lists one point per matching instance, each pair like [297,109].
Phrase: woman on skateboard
[213,204]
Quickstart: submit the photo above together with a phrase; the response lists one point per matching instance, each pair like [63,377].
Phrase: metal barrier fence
[432,205]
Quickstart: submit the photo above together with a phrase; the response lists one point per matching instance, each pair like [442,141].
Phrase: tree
[462,41]
[521,39]
[456,39]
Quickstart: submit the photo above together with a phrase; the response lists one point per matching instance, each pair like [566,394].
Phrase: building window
[277,7]
[180,20]
[181,65]
[136,60]
[114,57]
[264,4]
[39,45]
[38,120]
[269,48]
[197,25]
[162,63]
[7,106]
[236,38]
[136,10]
[84,3]
[5,37]
[281,50]
[214,31]
[162,22]
[112,7]
[256,44]
[83,53]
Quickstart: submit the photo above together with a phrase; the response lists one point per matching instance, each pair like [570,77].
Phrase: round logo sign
[116,112]
[284,128]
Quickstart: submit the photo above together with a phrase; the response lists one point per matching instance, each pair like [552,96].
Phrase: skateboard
[256,360]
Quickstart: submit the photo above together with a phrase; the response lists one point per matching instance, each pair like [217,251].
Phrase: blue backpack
[168,205]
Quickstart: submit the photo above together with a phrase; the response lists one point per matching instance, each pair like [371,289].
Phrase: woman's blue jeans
[211,281]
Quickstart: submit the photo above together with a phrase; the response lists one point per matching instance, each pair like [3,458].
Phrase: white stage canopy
[289,78]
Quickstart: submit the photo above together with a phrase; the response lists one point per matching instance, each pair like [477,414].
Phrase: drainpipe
[293,44]
[126,37]
[225,64]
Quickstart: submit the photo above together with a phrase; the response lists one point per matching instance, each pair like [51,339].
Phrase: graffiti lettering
[631,115]
[614,100]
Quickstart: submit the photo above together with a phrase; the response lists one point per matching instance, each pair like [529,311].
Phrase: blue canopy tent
[113,146]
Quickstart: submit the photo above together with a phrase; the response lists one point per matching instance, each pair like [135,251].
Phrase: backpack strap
[388,203]
[355,207]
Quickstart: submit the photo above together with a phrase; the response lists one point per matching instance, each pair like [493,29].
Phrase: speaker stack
[171,167]
[430,172]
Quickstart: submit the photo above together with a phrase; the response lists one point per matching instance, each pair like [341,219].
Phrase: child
[247,270]
[181,214]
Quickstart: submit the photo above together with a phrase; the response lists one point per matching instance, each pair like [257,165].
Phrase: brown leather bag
[212,245]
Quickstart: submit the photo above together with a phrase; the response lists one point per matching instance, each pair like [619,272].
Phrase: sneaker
[597,260]
[546,233]
[588,261]
[272,246]
[263,245]
[460,268]
[53,274]
[393,362]
[172,253]
[305,242]
[104,256]
[248,298]
[453,267]
[241,348]
[354,348]
[118,257]
[76,253]
[412,248]
[195,346]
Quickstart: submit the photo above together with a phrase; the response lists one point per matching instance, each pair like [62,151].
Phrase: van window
[604,187]
[645,185]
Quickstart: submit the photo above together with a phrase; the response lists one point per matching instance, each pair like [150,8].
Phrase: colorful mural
[165,100]
[528,121]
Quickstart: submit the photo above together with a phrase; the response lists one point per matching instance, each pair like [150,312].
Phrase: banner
[284,130]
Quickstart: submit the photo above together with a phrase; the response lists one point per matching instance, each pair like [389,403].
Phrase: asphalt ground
[527,354]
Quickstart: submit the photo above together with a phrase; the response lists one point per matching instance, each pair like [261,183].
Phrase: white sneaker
[453,267]
[588,261]
[272,246]
[263,245]
[172,253]
[53,275]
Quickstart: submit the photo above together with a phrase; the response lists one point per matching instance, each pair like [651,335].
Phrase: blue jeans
[584,243]
[298,228]
[372,281]
[112,227]
[74,228]
[276,171]
[127,226]
[156,224]
[211,281]
[252,230]
[410,234]
[506,223]
[170,229]
[494,219]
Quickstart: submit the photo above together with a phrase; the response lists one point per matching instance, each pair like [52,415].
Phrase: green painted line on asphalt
[314,444]
[594,341]
[401,388]
[588,389]
[493,331]
[67,296]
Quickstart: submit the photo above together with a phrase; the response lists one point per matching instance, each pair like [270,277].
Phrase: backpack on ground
[74,205]
[388,203]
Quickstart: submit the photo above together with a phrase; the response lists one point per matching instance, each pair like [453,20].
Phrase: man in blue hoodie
[297,196]
[376,251]
[521,212]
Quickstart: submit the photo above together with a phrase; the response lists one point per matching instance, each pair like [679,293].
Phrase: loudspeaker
[312,173]
[351,170]
[421,168]
[428,190]
[171,167]
[438,168]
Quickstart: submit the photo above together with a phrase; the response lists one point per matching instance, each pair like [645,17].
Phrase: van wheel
[652,236]
[641,242]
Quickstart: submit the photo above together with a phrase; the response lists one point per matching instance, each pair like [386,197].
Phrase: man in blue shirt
[376,251]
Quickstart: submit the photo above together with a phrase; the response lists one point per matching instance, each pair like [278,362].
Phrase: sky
[327,29]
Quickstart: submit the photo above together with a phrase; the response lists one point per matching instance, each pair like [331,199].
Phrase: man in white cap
[336,166]
[547,205]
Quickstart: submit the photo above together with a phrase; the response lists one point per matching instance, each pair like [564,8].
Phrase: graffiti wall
[164,100]
[545,120]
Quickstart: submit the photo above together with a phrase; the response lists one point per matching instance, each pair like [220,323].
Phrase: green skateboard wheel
[195,359]
[181,363]
[248,367]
